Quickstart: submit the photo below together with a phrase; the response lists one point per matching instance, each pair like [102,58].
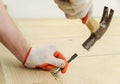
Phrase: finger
[49,67]
[90,12]
[45,67]
[60,59]
[65,68]
[57,60]
[59,55]
[63,4]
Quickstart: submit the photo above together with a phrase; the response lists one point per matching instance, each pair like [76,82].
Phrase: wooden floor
[101,65]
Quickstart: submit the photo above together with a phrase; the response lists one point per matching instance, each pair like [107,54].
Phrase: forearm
[10,36]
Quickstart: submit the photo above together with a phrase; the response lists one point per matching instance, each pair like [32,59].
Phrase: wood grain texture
[100,65]
[2,78]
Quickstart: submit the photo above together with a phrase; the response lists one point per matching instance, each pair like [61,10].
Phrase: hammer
[98,29]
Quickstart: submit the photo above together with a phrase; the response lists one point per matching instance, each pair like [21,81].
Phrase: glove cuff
[26,56]
[84,19]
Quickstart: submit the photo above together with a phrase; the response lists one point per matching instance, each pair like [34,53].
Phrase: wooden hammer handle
[92,24]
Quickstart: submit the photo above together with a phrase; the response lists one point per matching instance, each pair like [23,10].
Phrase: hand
[74,9]
[46,58]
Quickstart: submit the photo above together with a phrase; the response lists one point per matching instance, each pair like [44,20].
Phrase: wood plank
[93,70]
[2,78]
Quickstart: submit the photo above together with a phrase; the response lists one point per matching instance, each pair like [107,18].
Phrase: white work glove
[45,58]
[74,9]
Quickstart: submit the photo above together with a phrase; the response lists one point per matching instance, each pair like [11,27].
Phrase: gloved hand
[74,9]
[45,58]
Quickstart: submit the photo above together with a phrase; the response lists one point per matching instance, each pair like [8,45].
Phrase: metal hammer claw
[103,26]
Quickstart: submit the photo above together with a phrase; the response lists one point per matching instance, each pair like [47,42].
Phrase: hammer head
[103,26]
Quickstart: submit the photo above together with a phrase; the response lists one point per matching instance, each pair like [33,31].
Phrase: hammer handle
[92,25]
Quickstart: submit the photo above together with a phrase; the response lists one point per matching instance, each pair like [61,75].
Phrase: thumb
[60,56]
[58,62]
